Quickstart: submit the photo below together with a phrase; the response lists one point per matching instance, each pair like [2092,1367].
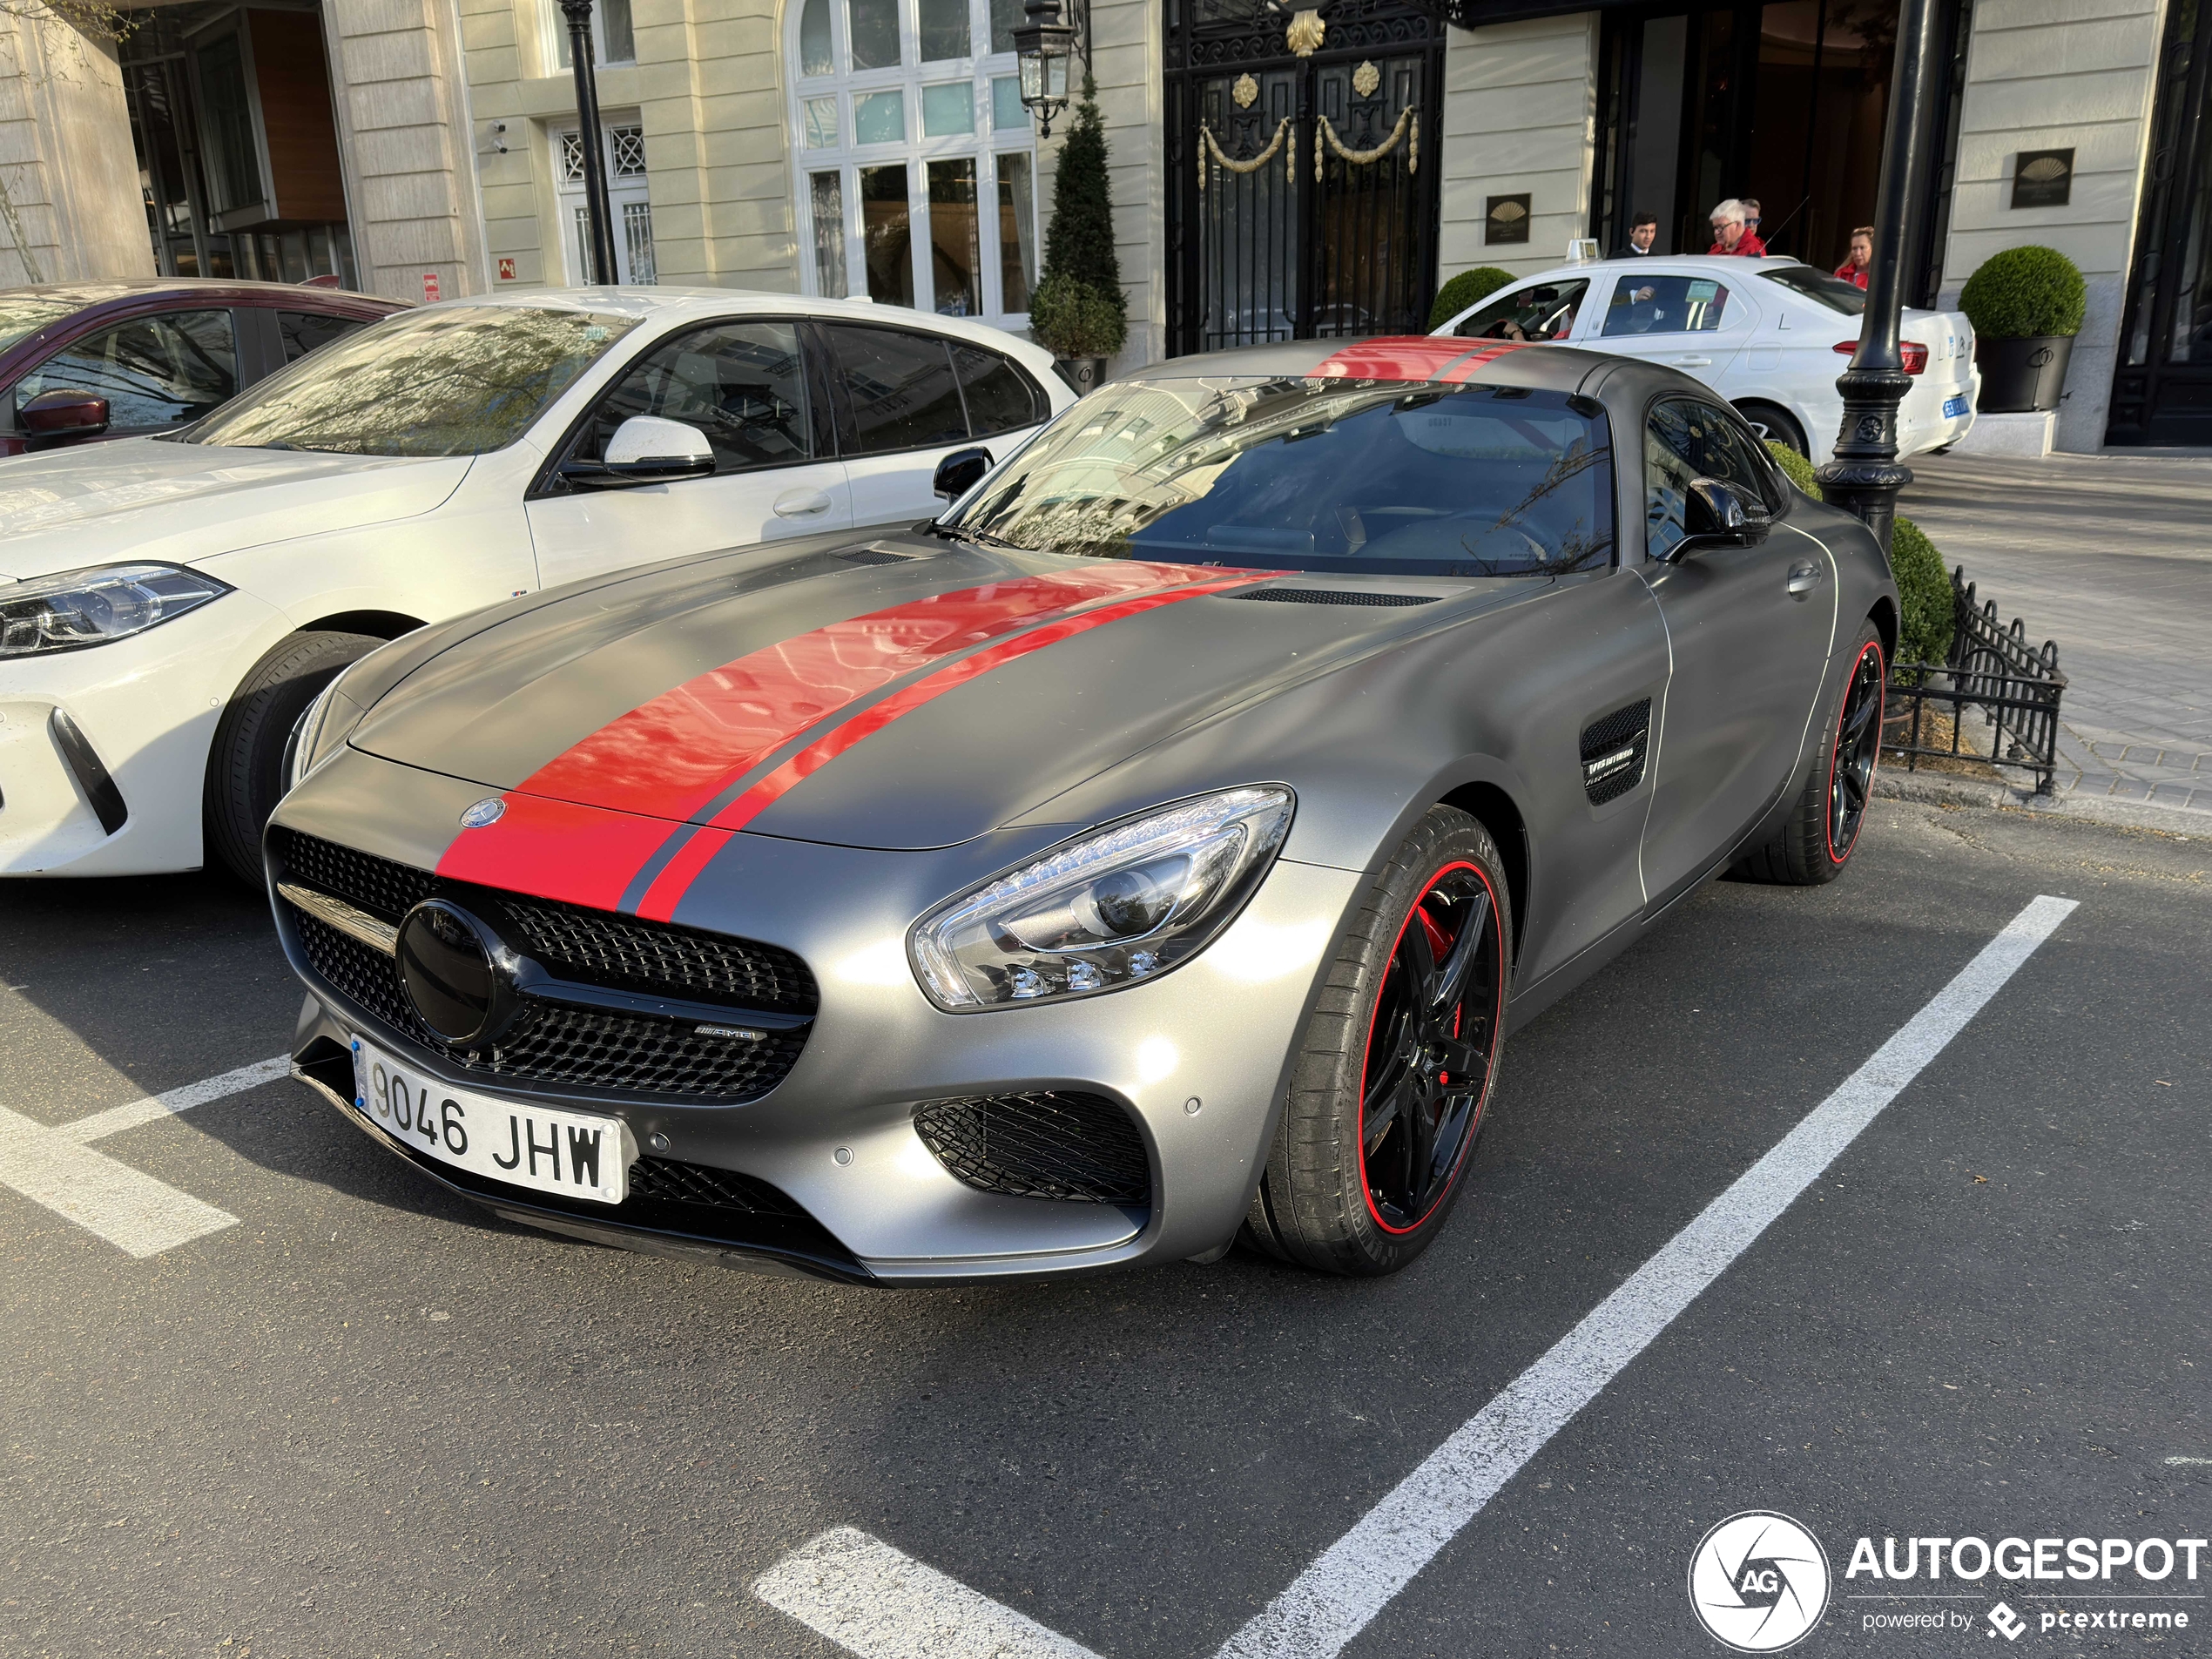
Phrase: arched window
[915,164]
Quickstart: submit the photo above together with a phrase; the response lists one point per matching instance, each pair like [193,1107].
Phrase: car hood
[905,693]
[144,498]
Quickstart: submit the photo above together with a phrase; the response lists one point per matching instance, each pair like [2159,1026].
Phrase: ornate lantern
[1045,46]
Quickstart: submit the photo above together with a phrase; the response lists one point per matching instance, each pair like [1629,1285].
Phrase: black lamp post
[599,213]
[1865,476]
[1044,46]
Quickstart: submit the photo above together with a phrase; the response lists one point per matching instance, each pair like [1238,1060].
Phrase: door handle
[1694,362]
[801,503]
[1803,578]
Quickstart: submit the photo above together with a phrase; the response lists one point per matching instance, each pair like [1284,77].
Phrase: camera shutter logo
[1758,1582]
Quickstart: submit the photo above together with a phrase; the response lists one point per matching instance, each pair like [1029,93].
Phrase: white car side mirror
[646,450]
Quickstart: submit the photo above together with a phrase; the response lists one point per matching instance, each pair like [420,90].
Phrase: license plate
[579,1155]
[1954,407]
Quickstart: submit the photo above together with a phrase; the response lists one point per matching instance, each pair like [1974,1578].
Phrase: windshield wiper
[978,539]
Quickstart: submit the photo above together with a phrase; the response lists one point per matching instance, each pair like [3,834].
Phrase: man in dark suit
[1643,234]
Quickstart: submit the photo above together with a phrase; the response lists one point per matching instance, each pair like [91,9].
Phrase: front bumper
[837,1135]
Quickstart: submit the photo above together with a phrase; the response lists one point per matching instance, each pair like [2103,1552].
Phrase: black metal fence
[1991,672]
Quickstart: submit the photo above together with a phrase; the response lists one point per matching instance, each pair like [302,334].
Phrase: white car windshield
[455,380]
[1396,478]
[1837,294]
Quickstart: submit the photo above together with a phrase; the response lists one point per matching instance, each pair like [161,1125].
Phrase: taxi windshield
[1389,478]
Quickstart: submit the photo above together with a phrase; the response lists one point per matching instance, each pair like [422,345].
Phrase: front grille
[1080,1148]
[379,886]
[642,956]
[666,1181]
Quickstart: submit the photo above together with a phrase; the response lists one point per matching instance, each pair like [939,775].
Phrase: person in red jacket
[1862,255]
[1731,235]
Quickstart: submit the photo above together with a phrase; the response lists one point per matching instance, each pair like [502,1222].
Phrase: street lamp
[1045,45]
[598,214]
[1865,476]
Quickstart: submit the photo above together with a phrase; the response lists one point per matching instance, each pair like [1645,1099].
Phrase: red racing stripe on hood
[668,888]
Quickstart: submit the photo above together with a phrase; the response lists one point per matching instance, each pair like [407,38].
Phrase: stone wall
[1519,114]
[72,210]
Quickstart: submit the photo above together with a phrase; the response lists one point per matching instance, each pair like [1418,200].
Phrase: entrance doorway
[1784,102]
[1302,178]
[2161,392]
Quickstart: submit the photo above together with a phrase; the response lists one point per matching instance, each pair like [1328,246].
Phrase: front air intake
[1080,1149]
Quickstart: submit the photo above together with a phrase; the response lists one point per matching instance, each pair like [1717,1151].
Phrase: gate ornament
[1326,134]
[1366,78]
[1244,91]
[1304,35]
[1209,149]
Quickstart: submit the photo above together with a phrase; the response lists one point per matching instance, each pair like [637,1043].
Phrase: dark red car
[121,359]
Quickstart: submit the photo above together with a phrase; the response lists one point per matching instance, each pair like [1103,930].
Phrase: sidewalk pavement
[2111,557]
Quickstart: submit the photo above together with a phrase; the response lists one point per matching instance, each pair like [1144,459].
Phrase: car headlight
[80,608]
[1120,904]
[321,731]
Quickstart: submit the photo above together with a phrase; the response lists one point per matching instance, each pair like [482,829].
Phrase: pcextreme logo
[1758,1582]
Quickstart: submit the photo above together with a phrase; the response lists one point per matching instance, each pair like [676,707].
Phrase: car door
[1692,321]
[157,372]
[743,382]
[1546,309]
[909,399]
[1748,654]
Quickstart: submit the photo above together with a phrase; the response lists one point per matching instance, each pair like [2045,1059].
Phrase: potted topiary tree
[1469,287]
[2026,305]
[1078,312]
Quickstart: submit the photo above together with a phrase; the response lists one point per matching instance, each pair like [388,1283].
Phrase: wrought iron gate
[1302,176]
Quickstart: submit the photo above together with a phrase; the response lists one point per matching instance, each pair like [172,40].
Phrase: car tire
[246,766]
[1774,424]
[1813,844]
[1350,1189]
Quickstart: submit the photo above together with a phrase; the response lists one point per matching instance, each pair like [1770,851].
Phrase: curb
[1929,790]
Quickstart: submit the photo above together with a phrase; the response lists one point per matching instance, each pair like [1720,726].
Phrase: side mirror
[959,472]
[1716,515]
[62,415]
[646,450]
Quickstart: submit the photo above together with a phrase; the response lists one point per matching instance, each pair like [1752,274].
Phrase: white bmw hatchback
[1770,335]
[169,606]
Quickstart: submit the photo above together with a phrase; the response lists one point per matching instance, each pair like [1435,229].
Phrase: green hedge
[2025,292]
[1469,287]
[1923,584]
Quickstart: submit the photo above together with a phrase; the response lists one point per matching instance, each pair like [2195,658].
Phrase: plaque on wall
[2042,178]
[1505,220]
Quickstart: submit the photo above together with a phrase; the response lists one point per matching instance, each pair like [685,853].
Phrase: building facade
[1277,170]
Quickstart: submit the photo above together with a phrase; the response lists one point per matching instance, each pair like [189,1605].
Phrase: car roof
[94,293]
[1695,264]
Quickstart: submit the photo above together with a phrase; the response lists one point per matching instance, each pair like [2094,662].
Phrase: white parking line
[881,1604]
[876,1602]
[58,1167]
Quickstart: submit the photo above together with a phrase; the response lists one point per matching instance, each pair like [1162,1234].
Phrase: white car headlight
[91,607]
[1120,904]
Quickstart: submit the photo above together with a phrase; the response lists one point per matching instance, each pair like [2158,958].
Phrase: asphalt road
[367,1422]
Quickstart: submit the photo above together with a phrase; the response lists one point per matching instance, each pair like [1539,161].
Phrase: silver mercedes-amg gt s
[1154,850]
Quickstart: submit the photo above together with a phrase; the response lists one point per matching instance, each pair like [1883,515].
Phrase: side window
[901,385]
[1665,305]
[1000,397]
[307,331]
[1685,440]
[743,384]
[1545,312]
[153,371]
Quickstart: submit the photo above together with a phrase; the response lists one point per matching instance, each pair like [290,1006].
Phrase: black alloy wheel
[1427,1070]
[1858,744]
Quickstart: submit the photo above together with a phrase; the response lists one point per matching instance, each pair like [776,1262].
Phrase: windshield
[1837,294]
[457,381]
[22,315]
[1395,479]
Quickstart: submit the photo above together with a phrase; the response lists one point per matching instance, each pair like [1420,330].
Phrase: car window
[1298,474]
[450,380]
[1544,311]
[1846,298]
[1000,397]
[743,384]
[1686,440]
[153,371]
[901,386]
[1666,305]
[23,314]
[307,331]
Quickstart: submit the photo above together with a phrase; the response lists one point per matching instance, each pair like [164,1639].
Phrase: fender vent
[1082,1148]
[1338,596]
[1612,752]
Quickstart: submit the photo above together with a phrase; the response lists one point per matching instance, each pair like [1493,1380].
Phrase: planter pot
[2021,376]
[1086,375]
